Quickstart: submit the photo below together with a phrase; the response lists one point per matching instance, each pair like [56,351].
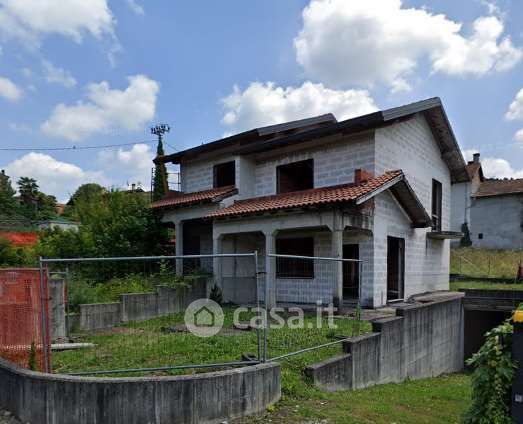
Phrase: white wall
[410,146]
[499,218]
[333,163]
[460,201]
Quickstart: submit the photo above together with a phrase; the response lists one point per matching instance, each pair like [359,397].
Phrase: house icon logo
[204,318]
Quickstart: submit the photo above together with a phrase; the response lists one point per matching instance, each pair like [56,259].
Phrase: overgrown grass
[485,263]
[147,344]
[434,400]
[485,285]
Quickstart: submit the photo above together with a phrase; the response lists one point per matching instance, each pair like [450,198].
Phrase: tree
[8,203]
[160,175]
[86,193]
[34,204]
[28,189]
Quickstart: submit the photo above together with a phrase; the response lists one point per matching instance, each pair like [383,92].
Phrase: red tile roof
[500,187]
[186,199]
[315,196]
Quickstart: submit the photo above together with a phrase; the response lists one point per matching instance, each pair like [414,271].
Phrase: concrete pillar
[179,246]
[270,267]
[337,266]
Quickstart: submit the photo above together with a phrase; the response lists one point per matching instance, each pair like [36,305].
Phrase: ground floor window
[294,267]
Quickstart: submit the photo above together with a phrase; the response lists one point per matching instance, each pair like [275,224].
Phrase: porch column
[217,262]
[270,267]
[337,252]
[178,228]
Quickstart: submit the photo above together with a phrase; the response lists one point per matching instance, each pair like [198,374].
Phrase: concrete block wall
[410,146]
[423,340]
[193,399]
[140,306]
[333,163]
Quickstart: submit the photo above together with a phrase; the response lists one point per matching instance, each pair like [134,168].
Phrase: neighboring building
[492,208]
[376,187]
[61,223]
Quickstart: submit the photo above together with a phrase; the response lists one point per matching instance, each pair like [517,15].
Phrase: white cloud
[105,110]
[518,137]
[29,20]
[134,164]
[495,167]
[265,104]
[347,42]
[9,90]
[54,74]
[135,7]
[54,177]
[515,110]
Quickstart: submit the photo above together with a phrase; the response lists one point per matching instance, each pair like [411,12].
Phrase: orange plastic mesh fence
[24,329]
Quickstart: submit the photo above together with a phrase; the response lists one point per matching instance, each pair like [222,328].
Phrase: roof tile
[500,187]
[311,197]
[186,199]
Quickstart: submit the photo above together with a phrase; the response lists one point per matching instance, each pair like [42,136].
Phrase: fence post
[44,317]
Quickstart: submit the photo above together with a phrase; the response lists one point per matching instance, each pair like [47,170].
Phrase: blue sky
[102,72]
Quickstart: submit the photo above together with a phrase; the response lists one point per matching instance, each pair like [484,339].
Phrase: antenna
[160,130]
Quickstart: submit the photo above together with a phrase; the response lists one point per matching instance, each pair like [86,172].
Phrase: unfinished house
[492,209]
[375,188]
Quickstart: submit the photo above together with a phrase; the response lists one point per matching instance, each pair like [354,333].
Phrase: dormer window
[224,174]
[295,176]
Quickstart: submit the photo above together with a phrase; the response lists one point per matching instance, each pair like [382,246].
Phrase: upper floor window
[224,174]
[295,176]
[436,205]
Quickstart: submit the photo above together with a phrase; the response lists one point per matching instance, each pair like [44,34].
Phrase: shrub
[216,294]
[494,372]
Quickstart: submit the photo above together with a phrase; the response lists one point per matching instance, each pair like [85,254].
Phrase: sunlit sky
[77,73]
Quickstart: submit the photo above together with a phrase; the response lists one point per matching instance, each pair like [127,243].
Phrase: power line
[107,146]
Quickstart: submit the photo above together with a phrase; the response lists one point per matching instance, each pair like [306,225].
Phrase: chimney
[362,176]
[475,158]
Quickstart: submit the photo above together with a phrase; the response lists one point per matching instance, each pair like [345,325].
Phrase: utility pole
[160,171]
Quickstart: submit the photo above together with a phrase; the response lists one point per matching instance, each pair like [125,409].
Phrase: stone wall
[200,398]
[140,306]
[422,340]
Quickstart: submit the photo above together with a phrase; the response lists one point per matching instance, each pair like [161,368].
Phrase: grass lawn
[437,400]
[483,284]
[144,345]
[434,400]
[481,263]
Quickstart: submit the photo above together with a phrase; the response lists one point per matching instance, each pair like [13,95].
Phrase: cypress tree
[160,174]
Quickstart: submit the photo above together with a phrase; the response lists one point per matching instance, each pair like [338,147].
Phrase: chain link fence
[128,315]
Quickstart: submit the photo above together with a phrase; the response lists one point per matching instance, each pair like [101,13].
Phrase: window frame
[279,169]
[287,246]
[436,205]
[215,173]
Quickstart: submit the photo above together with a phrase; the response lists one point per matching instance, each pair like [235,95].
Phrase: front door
[395,268]
[351,271]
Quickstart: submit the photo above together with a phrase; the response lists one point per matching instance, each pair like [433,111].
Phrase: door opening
[351,271]
[395,268]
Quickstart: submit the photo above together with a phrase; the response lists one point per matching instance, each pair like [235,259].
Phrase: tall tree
[160,174]
[29,195]
[8,203]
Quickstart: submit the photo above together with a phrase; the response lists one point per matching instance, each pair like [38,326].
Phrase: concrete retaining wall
[201,398]
[140,306]
[423,340]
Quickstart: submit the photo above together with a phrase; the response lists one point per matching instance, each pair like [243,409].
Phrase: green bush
[494,372]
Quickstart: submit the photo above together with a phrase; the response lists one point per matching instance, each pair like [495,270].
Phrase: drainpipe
[517,355]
